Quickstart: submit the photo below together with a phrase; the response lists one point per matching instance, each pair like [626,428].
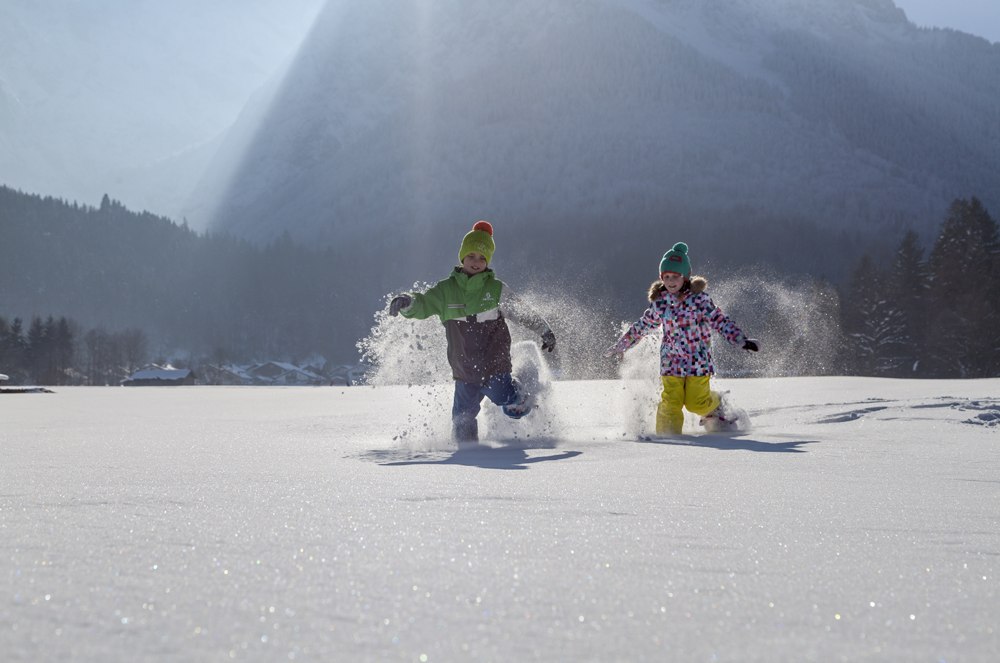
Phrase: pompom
[485,226]
[680,247]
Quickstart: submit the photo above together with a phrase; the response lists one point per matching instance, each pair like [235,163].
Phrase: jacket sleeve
[649,321]
[426,304]
[516,309]
[721,322]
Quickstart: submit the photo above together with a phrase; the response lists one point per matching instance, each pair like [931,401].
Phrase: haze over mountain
[977,17]
[130,98]
[569,123]
[593,133]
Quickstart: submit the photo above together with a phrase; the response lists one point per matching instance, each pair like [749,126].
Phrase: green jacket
[477,333]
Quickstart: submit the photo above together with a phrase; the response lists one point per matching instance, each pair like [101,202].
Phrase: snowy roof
[273,368]
[283,365]
[237,370]
[158,373]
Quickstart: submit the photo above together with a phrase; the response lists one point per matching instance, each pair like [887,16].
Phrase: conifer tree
[16,353]
[7,345]
[38,351]
[62,350]
[907,289]
[873,323]
[964,309]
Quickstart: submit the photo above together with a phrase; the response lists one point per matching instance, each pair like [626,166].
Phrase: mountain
[131,98]
[587,128]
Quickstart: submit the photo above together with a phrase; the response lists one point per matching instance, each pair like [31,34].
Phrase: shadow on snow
[726,443]
[510,457]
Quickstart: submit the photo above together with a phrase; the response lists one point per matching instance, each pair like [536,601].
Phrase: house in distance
[160,376]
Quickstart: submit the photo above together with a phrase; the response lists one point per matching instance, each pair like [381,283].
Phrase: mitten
[751,345]
[398,303]
[548,340]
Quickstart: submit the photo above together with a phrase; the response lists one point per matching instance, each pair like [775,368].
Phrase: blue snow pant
[502,389]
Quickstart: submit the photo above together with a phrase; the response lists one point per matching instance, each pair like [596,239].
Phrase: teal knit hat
[676,260]
[478,240]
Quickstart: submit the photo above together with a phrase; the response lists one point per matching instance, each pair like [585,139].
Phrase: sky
[856,521]
[978,17]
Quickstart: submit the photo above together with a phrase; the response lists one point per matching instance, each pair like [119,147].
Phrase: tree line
[936,316]
[57,351]
[206,294]
[166,291]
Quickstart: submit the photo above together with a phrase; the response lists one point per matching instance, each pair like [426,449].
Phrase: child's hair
[694,284]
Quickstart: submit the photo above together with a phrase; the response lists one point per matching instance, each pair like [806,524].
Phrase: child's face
[473,263]
[673,281]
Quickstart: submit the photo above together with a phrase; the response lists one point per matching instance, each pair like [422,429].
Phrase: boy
[469,305]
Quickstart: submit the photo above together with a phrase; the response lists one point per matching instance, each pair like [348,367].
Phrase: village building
[160,376]
[282,373]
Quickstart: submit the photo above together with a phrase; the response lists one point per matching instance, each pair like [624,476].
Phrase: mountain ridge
[596,111]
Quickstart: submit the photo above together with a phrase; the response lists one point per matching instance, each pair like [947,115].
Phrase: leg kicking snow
[726,418]
[528,379]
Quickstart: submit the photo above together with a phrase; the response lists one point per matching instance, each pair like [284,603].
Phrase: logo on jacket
[488,296]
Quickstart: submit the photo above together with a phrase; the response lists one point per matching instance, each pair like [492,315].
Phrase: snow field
[857,521]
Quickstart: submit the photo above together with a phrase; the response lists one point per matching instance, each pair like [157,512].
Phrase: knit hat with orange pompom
[478,240]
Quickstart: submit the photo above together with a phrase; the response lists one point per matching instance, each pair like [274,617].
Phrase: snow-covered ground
[859,520]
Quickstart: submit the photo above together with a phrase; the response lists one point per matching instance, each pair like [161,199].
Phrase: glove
[548,341]
[398,303]
[751,345]
[614,352]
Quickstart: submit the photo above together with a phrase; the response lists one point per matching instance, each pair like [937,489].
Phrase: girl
[687,315]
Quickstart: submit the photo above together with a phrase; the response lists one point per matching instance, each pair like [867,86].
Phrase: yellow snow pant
[691,392]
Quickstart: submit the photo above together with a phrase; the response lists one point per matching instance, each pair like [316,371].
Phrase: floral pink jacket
[687,320]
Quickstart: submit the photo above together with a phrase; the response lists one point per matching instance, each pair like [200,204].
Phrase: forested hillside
[106,282]
[112,268]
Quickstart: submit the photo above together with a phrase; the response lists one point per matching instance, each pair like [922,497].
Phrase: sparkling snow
[857,521]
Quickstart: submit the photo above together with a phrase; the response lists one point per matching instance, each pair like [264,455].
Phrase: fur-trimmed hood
[693,286]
